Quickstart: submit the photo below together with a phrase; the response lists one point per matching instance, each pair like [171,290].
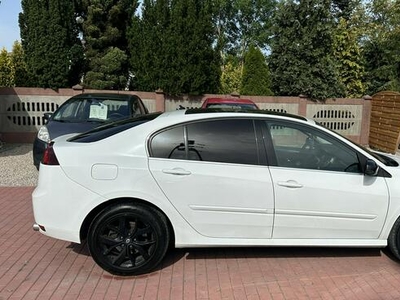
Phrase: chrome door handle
[176,171]
[290,184]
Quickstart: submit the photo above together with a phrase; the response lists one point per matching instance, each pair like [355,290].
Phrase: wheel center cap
[127,241]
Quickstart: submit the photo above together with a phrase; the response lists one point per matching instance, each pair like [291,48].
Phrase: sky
[9,28]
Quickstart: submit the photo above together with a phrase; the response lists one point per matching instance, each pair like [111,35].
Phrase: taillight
[49,157]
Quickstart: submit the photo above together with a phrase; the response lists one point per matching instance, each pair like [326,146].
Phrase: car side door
[215,175]
[320,189]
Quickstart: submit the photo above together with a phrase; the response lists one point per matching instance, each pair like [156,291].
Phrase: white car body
[213,203]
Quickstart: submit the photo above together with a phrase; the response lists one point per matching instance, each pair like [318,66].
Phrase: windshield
[92,109]
[379,156]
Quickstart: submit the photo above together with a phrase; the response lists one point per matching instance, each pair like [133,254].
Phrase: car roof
[182,116]
[229,100]
[104,95]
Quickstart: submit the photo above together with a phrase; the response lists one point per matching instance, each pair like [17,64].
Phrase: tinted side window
[299,146]
[227,141]
[169,144]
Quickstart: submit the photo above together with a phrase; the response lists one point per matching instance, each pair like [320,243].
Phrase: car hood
[57,128]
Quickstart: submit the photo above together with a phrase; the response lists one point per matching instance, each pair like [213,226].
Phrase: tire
[128,239]
[394,239]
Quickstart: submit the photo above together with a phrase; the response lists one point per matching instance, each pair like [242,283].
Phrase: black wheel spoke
[109,241]
[142,251]
[132,257]
[122,229]
[145,243]
[142,231]
[121,257]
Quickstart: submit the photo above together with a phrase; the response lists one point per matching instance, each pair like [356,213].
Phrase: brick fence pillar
[160,100]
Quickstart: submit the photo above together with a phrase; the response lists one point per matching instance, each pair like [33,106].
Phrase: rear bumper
[60,204]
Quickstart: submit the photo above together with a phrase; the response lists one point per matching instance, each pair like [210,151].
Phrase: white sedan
[193,178]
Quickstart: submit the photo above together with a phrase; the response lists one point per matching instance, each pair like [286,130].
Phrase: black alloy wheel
[128,239]
[394,239]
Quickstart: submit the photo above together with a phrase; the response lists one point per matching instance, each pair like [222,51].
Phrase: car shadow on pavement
[281,252]
[175,255]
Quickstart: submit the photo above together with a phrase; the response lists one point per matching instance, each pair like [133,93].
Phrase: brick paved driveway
[33,266]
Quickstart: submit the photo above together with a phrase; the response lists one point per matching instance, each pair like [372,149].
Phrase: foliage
[241,23]
[231,77]
[6,70]
[17,57]
[48,34]
[171,47]
[344,9]
[382,46]
[147,37]
[301,52]
[349,60]
[104,33]
[256,78]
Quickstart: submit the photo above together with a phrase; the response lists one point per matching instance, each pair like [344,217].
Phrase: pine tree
[104,33]
[256,77]
[196,67]
[302,49]
[49,36]
[147,37]
[171,47]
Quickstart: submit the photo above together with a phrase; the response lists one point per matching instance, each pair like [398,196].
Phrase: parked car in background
[197,178]
[229,103]
[84,112]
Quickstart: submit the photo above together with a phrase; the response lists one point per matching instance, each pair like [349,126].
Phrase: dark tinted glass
[228,141]
[306,148]
[169,144]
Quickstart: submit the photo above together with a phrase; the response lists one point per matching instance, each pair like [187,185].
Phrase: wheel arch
[98,209]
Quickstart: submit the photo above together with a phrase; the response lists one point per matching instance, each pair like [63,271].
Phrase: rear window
[110,129]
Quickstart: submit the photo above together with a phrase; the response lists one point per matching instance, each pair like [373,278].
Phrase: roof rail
[232,110]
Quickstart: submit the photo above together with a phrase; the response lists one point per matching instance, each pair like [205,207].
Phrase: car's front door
[320,190]
[214,174]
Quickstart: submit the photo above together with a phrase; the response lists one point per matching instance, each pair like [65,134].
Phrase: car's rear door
[214,173]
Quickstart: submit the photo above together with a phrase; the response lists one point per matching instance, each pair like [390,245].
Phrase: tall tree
[349,60]
[104,33]
[348,53]
[147,36]
[171,46]
[256,77]
[195,67]
[302,49]
[49,37]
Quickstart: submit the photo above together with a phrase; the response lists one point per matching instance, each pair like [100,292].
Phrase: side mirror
[47,116]
[371,168]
